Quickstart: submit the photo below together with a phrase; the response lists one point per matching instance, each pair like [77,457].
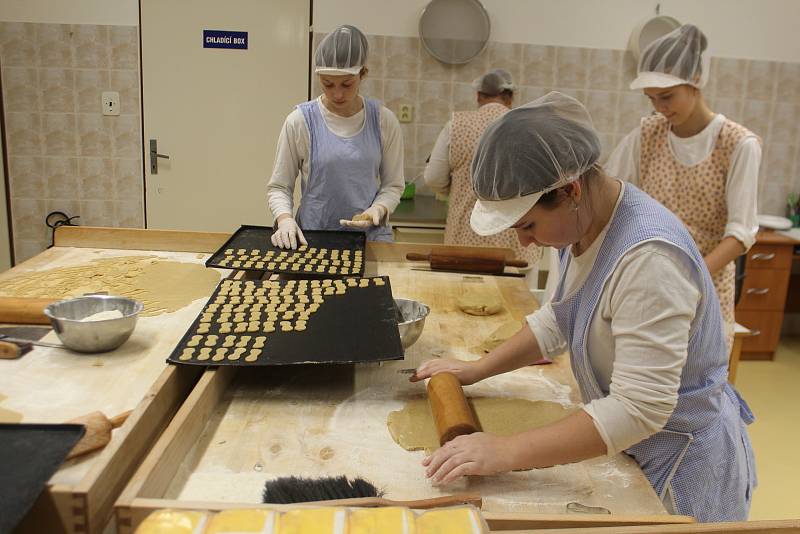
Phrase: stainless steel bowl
[93,336]
[414,314]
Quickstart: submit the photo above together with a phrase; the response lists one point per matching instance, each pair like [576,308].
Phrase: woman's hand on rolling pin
[466,372]
[475,454]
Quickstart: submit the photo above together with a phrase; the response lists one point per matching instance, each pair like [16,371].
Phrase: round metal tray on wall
[454,31]
[648,31]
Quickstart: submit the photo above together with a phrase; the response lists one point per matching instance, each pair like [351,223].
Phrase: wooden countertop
[420,210]
[616,483]
[771,237]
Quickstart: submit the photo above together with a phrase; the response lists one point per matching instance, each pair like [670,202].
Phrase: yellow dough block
[390,520]
[173,522]
[460,520]
[313,521]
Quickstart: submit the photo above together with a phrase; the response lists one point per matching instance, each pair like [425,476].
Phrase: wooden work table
[233,434]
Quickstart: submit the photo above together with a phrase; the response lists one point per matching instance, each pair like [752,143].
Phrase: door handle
[758,291]
[154,155]
[762,256]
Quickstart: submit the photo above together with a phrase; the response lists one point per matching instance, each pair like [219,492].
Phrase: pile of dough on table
[459,519]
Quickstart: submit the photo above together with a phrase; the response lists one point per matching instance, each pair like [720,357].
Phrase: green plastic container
[409,191]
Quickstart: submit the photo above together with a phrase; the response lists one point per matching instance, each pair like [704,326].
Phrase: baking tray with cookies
[329,254]
[282,322]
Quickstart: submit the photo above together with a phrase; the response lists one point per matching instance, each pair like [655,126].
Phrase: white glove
[372,216]
[288,234]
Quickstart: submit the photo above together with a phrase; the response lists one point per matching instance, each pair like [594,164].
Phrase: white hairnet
[494,82]
[535,148]
[343,51]
[677,58]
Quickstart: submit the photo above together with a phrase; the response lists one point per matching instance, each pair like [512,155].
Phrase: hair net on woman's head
[494,82]
[677,58]
[527,152]
[343,51]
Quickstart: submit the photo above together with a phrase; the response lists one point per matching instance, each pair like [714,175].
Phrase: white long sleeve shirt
[293,156]
[638,338]
[741,187]
[437,171]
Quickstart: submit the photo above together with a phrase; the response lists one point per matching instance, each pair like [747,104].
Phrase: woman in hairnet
[348,150]
[699,164]
[448,168]
[636,308]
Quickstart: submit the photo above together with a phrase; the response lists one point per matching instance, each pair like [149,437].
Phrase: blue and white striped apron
[703,454]
[343,172]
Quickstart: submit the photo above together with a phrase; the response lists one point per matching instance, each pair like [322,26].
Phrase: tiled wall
[762,95]
[63,154]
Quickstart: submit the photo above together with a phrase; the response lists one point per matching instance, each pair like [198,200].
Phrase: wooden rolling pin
[98,432]
[12,351]
[451,412]
[452,261]
[20,310]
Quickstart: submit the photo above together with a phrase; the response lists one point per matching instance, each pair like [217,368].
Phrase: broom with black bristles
[342,491]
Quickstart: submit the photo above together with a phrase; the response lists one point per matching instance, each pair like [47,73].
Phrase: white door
[217,112]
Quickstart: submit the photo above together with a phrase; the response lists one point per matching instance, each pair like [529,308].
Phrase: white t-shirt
[638,337]
[741,187]
[293,156]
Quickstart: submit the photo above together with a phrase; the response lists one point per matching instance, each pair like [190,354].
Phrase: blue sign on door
[224,39]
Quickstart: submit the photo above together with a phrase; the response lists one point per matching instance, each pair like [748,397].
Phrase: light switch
[406,113]
[110,102]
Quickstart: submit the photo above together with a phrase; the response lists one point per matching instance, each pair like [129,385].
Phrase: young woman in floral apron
[699,164]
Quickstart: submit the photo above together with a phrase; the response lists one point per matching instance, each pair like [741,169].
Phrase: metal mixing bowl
[93,336]
[414,314]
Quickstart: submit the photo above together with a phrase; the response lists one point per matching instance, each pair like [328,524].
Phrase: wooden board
[748,527]
[138,239]
[52,385]
[236,431]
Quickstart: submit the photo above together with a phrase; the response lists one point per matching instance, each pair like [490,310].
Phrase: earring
[575,208]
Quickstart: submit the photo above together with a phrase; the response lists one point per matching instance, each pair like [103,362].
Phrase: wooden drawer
[766,328]
[764,289]
[769,257]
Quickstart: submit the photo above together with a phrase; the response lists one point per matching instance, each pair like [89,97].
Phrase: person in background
[636,308]
[699,164]
[347,149]
[448,170]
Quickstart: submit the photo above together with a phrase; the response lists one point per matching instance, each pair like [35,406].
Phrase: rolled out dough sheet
[502,334]
[163,286]
[412,426]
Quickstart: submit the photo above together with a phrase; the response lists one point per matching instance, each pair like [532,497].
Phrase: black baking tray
[259,237]
[359,326]
[32,453]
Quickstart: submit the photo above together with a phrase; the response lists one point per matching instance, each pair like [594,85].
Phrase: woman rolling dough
[636,308]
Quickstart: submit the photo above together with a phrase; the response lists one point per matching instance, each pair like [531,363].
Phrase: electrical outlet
[406,113]
[110,102]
